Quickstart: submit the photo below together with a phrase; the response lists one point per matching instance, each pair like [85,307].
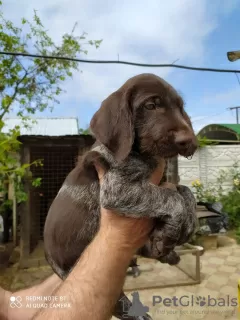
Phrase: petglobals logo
[15,302]
[190,301]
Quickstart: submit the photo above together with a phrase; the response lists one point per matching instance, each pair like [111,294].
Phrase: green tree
[84,131]
[30,85]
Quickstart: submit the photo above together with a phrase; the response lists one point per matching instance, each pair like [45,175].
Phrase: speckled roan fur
[73,218]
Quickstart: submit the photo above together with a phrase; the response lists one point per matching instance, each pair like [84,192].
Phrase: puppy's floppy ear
[113,124]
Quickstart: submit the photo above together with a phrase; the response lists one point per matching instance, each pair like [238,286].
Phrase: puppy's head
[148,114]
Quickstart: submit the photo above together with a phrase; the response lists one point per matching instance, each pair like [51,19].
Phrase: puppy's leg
[163,234]
[150,251]
[139,198]
[162,237]
[191,222]
[122,308]
[135,270]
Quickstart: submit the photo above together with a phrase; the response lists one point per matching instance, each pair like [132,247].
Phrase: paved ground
[220,271]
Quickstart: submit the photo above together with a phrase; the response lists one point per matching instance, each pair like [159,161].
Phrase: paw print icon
[201,301]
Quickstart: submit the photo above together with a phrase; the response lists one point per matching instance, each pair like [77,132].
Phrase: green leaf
[37,182]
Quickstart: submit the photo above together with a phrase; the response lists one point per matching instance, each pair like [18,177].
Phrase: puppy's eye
[150,106]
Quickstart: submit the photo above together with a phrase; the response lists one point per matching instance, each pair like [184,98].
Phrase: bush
[231,205]
[208,193]
[229,200]
[238,235]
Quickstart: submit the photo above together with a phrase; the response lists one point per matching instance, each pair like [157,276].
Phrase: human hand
[129,232]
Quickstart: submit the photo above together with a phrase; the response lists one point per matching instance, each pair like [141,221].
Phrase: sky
[196,32]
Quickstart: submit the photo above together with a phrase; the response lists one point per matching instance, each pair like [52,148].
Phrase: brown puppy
[136,126]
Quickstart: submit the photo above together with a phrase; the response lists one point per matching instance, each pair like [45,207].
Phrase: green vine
[204,142]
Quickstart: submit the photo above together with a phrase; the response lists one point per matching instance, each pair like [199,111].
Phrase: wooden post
[172,170]
[25,216]
[14,214]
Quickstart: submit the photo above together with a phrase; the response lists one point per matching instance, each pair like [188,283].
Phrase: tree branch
[6,110]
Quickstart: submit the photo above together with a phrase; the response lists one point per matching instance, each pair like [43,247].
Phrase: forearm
[43,289]
[95,283]
[4,303]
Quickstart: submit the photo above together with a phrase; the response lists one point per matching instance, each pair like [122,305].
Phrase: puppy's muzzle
[186,143]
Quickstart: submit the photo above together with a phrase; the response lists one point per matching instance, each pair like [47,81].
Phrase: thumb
[101,172]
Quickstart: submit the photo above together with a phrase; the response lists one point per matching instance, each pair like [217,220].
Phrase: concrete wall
[207,163]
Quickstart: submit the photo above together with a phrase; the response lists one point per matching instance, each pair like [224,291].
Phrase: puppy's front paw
[136,272]
[172,258]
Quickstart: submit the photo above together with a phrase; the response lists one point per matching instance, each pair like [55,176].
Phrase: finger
[100,171]
[157,175]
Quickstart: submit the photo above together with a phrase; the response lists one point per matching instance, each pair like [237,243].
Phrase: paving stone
[233,259]
[214,265]
[235,276]
[216,261]
[205,292]
[233,283]
[216,279]
[192,289]
[214,316]
[209,269]
[181,291]
[232,291]
[223,252]
[231,263]
[209,253]
[199,315]
[212,286]
[186,317]
[166,314]
[231,314]
[230,269]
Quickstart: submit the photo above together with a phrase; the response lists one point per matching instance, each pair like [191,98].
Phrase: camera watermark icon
[15,302]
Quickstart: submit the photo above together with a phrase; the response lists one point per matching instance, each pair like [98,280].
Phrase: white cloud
[156,31]
[224,117]
[228,98]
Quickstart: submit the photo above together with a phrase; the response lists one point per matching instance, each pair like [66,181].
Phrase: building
[221,133]
[56,141]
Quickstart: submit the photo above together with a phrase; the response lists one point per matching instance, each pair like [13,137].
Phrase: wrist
[116,241]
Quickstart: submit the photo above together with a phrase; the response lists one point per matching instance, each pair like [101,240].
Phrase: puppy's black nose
[186,143]
[183,141]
